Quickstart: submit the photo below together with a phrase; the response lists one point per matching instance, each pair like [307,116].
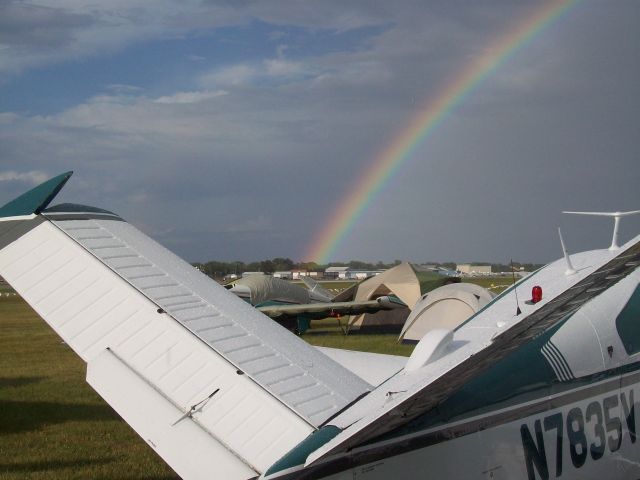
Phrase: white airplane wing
[374,368]
[215,387]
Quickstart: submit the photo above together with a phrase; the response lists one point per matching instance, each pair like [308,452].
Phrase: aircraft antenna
[570,270]
[513,276]
[616,222]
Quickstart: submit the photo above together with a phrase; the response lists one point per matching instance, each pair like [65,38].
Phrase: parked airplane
[542,388]
[294,307]
[257,289]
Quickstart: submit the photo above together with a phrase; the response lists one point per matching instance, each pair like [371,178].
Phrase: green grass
[387,343]
[52,424]
[328,333]
[494,284]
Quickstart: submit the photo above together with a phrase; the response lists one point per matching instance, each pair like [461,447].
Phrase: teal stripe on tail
[36,199]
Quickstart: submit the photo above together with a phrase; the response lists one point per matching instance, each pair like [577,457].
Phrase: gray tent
[400,281]
[445,307]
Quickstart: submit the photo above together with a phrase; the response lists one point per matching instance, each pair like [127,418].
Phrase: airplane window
[628,324]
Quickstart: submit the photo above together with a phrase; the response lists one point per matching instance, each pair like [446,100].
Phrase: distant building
[284,275]
[246,274]
[362,274]
[471,269]
[336,272]
[298,274]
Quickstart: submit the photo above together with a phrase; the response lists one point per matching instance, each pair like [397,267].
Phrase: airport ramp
[215,387]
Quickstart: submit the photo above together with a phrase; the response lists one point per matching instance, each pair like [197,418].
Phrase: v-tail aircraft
[541,383]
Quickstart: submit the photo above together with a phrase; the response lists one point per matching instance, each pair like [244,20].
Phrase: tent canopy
[445,307]
[400,281]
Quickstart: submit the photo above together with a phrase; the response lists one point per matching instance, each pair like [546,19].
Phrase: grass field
[54,426]
[494,284]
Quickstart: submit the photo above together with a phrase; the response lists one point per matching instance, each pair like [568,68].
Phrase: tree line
[217,268]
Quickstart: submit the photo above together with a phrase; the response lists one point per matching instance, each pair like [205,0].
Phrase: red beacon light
[536,294]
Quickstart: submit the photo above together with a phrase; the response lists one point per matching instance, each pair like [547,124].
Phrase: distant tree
[338,264]
[218,269]
[282,264]
[309,266]
[252,267]
[267,266]
[358,265]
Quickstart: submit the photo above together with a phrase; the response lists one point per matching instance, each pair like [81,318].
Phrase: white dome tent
[445,307]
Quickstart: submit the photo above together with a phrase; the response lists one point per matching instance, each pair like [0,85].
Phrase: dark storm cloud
[248,158]
[34,26]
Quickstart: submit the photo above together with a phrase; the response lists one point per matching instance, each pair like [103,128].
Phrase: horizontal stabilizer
[318,292]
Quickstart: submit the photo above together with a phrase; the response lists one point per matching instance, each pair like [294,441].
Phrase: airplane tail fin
[215,387]
[317,292]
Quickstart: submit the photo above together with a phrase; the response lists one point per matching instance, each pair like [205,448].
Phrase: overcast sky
[232,130]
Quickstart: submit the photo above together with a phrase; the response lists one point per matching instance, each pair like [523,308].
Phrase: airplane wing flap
[189,449]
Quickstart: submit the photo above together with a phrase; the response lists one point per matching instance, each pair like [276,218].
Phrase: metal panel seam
[209,346]
[186,413]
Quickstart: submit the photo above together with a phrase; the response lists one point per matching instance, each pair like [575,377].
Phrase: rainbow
[423,124]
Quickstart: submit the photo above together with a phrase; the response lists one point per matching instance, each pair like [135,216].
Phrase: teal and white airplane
[541,383]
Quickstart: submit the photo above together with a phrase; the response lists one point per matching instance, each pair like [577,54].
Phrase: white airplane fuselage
[581,423]
[588,438]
